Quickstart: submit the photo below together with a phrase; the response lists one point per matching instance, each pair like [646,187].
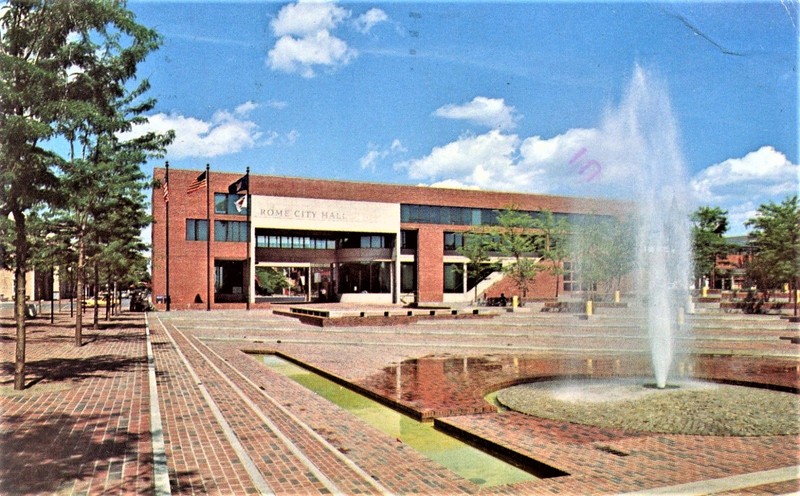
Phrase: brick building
[321,240]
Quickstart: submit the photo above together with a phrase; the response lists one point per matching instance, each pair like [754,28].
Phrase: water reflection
[448,385]
[460,458]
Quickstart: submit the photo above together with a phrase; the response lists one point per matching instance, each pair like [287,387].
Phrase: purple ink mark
[584,167]
[578,155]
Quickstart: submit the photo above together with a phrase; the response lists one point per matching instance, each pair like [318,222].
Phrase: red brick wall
[542,286]
[430,265]
[187,259]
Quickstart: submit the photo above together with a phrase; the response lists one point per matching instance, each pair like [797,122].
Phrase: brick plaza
[170,403]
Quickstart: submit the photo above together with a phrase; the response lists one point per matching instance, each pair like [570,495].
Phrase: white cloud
[245,108]
[490,112]
[741,185]
[225,133]
[452,184]
[308,18]
[277,104]
[368,20]
[292,136]
[376,153]
[305,40]
[485,160]
[765,171]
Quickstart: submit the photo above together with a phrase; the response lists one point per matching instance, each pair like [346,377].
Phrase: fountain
[663,240]
[640,138]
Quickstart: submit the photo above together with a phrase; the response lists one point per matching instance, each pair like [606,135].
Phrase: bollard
[514,301]
[588,307]
[616,296]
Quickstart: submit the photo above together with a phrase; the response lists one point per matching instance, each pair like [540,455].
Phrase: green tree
[553,243]
[514,237]
[603,253]
[271,281]
[775,238]
[64,65]
[709,227]
[33,68]
[104,205]
[477,249]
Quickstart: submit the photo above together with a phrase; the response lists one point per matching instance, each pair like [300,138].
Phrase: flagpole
[166,181]
[250,268]
[208,238]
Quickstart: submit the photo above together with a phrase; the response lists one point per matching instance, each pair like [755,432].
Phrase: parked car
[100,301]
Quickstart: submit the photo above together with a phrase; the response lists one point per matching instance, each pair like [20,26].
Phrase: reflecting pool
[459,457]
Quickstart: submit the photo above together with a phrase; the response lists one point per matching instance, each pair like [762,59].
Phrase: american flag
[198,183]
[165,187]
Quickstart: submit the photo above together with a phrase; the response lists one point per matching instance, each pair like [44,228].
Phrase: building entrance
[229,281]
[287,283]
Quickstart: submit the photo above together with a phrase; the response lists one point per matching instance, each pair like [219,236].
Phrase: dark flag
[241,184]
[198,183]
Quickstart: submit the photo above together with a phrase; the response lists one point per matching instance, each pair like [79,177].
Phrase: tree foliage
[775,238]
[709,225]
[553,243]
[514,237]
[477,248]
[603,253]
[66,69]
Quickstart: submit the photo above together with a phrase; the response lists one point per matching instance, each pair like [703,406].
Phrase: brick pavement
[231,426]
[84,426]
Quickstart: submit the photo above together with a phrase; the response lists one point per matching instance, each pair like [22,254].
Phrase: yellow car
[98,302]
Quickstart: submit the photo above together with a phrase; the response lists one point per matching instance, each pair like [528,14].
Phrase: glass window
[365,277]
[225,203]
[220,203]
[196,230]
[230,231]
[453,278]
[453,241]
[408,240]
[408,277]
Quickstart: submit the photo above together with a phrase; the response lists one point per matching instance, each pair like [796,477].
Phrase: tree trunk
[109,298]
[80,289]
[558,279]
[96,313]
[21,254]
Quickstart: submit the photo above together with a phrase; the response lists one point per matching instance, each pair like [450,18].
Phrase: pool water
[468,462]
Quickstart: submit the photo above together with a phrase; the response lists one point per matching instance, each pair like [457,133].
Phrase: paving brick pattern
[83,427]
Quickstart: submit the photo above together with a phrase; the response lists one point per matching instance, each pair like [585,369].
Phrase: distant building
[321,240]
[7,285]
[731,270]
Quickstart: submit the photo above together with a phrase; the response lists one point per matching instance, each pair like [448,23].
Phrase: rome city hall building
[223,240]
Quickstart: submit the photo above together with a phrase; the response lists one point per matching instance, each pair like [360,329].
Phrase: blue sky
[523,96]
